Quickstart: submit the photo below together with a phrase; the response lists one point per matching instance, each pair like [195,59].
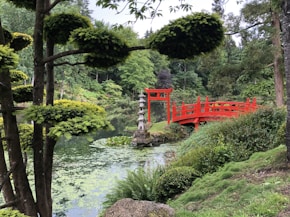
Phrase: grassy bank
[259,186]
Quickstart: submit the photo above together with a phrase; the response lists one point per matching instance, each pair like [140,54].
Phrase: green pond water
[84,174]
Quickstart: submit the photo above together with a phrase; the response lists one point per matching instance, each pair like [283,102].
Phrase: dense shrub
[255,132]
[232,140]
[139,185]
[11,213]
[173,182]
[205,159]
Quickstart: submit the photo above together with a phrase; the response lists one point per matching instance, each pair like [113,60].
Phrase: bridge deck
[210,111]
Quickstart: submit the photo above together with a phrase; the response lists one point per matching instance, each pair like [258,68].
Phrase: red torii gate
[161,95]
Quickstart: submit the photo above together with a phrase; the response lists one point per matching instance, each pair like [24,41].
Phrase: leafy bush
[17,75]
[194,30]
[232,140]
[119,141]
[139,185]
[281,135]
[22,93]
[206,159]
[8,59]
[174,181]
[69,118]
[11,213]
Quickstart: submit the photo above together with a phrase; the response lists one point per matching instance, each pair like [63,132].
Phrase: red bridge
[210,111]
[199,112]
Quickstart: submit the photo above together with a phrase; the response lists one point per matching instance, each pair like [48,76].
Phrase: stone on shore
[139,208]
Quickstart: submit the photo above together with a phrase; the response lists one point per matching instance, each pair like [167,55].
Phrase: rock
[139,208]
[141,138]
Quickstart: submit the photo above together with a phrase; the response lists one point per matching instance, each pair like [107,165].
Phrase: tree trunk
[278,75]
[25,201]
[22,189]
[286,43]
[5,183]
[38,88]
[49,143]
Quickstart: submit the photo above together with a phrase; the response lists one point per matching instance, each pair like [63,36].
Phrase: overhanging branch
[51,6]
[9,204]
[233,33]
[69,63]
[63,54]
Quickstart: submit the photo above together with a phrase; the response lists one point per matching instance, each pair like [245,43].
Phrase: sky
[111,17]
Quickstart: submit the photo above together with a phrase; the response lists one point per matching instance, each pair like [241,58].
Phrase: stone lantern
[141,118]
[141,137]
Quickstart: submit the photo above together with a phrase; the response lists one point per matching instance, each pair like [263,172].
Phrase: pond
[84,174]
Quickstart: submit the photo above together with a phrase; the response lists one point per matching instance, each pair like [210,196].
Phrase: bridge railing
[203,111]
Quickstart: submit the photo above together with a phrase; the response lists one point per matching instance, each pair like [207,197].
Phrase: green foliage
[1,123]
[138,185]
[11,213]
[69,118]
[247,188]
[8,59]
[17,75]
[121,112]
[58,27]
[26,135]
[61,111]
[112,90]
[206,159]
[189,36]
[281,135]
[119,141]
[174,181]
[106,47]
[232,140]
[23,93]
[264,89]
[28,4]
[137,73]
[20,41]
[269,204]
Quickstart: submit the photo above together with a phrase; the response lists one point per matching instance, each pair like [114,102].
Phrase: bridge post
[254,104]
[206,105]
[248,109]
[183,109]
[197,106]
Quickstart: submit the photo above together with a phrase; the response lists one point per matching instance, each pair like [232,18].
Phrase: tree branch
[51,6]
[233,33]
[63,54]
[9,204]
[137,48]
[6,178]
[69,63]
[71,52]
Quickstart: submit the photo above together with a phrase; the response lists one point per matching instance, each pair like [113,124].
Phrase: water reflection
[84,175]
